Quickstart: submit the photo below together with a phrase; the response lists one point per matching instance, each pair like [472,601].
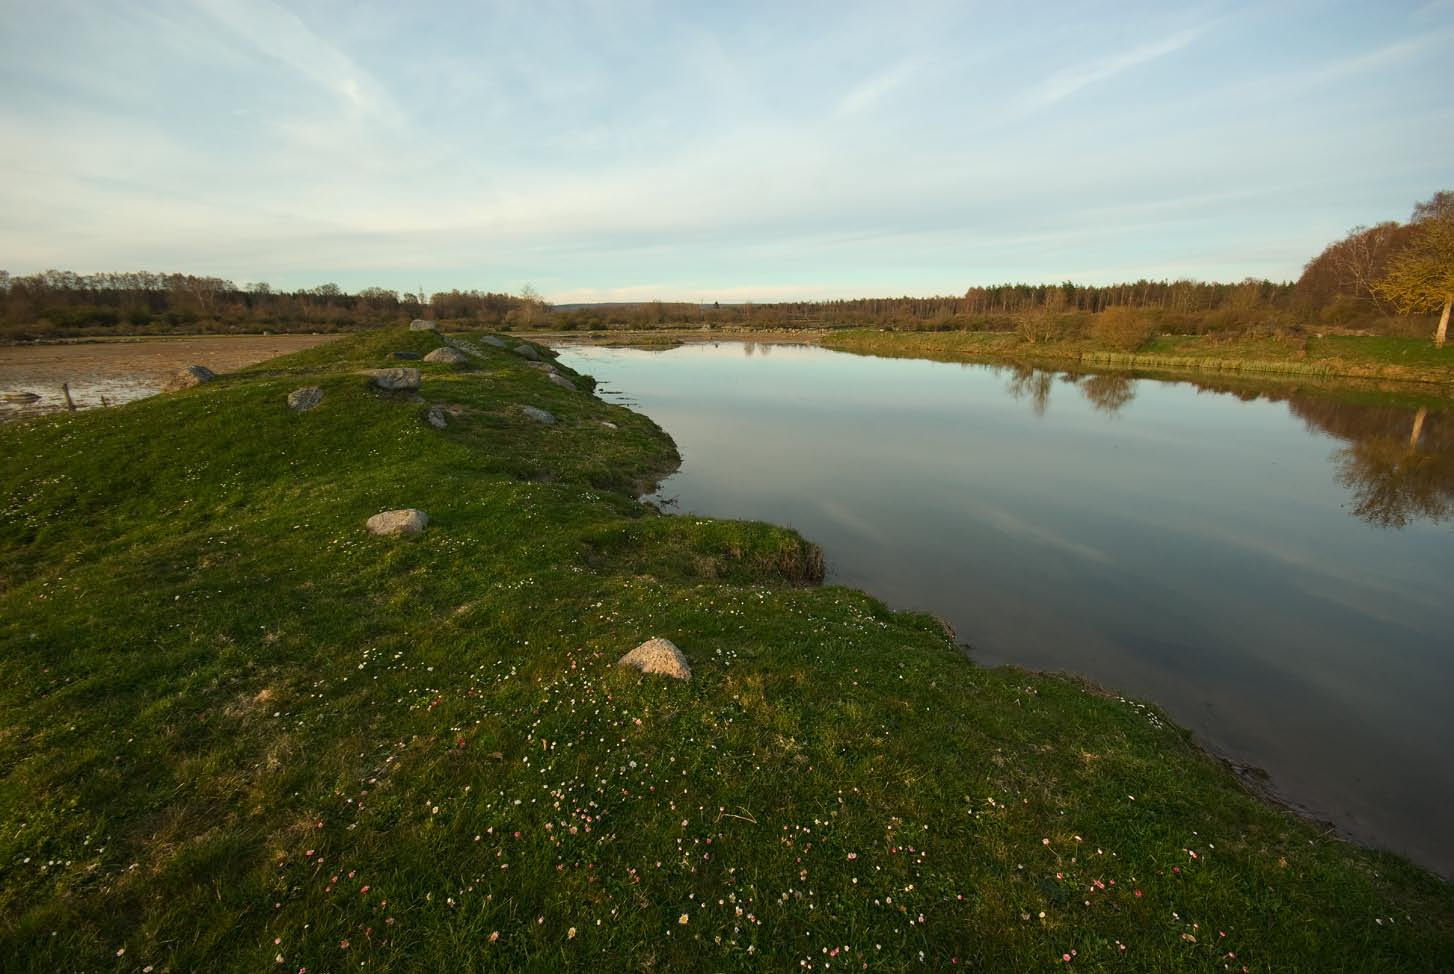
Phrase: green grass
[237,727]
[1333,359]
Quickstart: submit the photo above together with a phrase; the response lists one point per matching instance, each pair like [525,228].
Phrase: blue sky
[736,151]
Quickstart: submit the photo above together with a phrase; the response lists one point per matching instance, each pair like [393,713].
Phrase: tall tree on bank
[1421,277]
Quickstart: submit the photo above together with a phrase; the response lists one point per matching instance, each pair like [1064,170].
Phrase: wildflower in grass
[682,919]
[570,934]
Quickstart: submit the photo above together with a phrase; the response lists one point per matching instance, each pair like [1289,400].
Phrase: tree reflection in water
[1402,473]
[1031,382]
[1398,464]
[1108,391]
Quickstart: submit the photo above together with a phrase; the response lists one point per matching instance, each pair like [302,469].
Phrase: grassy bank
[241,734]
[1334,357]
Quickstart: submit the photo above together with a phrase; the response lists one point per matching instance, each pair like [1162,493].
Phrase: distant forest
[1337,291]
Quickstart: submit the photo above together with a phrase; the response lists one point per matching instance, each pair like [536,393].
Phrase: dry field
[120,370]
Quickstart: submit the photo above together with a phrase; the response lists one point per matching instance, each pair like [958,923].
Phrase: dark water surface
[1278,574]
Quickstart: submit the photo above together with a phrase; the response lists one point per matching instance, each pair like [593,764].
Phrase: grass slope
[239,733]
[1334,357]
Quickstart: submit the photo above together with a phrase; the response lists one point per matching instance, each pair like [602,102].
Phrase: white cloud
[1067,82]
[869,93]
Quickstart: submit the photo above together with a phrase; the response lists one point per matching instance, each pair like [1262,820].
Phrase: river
[1273,570]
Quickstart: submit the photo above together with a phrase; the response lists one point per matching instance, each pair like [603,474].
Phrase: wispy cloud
[276,32]
[867,94]
[1398,53]
[1063,84]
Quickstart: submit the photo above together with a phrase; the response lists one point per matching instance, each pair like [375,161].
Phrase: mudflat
[121,370]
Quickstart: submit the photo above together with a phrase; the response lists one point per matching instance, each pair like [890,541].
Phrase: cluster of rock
[420,324]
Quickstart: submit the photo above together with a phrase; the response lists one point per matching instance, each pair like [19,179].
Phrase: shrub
[1123,327]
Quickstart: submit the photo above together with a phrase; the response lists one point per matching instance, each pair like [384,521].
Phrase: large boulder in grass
[538,414]
[405,521]
[419,324]
[304,399]
[447,356]
[527,352]
[563,382]
[396,380]
[658,656]
[192,375]
[493,342]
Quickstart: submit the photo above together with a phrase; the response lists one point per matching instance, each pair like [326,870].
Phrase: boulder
[658,656]
[435,418]
[396,380]
[304,399]
[545,367]
[192,375]
[419,324]
[563,382]
[447,356]
[526,351]
[405,521]
[609,425]
[404,356]
[493,342]
[539,415]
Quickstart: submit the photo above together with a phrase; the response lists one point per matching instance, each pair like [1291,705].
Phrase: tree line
[1372,280]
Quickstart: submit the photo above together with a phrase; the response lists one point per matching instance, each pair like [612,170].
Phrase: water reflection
[1396,479]
[1031,383]
[1108,391]
[1398,464]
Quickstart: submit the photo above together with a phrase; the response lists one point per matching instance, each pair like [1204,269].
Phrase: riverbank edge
[1436,381]
[1255,780]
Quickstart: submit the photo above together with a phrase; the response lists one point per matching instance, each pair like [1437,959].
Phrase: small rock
[396,379]
[545,367]
[609,426]
[539,415]
[493,342]
[563,382]
[419,324]
[658,656]
[435,418]
[447,356]
[405,521]
[404,356]
[304,399]
[192,375]
[525,351]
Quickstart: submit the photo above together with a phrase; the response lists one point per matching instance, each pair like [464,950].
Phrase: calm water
[1276,574]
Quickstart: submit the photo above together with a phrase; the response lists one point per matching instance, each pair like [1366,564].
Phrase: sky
[615,150]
